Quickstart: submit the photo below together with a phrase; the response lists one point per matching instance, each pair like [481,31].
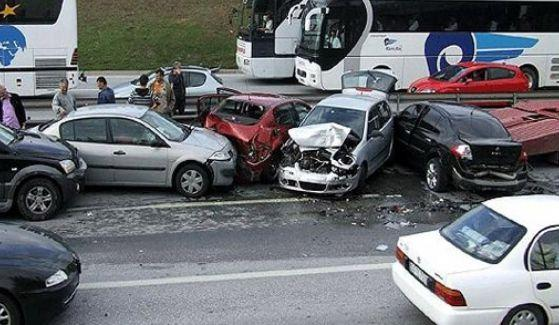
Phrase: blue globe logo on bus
[12,41]
[480,47]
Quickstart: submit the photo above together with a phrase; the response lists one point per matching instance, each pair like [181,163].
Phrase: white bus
[39,45]
[269,32]
[414,39]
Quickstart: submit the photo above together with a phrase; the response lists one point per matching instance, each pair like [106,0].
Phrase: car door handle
[119,153]
[543,286]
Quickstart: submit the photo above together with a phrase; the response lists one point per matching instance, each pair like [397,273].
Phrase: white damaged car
[343,140]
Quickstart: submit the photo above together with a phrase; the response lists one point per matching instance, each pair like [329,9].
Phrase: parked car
[37,174]
[133,146]
[497,264]
[257,124]
[199,81]
[343,140]
[461,145]
[474,77]
[39,275]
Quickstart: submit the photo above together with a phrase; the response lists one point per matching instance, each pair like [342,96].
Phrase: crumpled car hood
[327,135]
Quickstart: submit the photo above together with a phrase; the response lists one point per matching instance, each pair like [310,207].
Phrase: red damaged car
[257,124]
[474,77]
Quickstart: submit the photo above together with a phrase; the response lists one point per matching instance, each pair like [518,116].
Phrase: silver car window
[131,133]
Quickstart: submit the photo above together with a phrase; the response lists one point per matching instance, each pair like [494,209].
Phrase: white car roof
[534,212]
[360,103]
[109,110]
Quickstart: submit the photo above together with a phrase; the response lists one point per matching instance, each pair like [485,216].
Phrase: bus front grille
[49,79]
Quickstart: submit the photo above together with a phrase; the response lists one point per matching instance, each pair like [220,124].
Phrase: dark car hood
[40,146]
[32,244]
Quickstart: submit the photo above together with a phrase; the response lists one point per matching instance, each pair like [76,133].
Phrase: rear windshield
[30,12]
[480,127]
[240,112]
[484,234]
[448,73]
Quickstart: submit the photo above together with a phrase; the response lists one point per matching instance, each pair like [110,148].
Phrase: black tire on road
[9,311]
[192,180]
[532,75]
[38,199]
[435,175]
[527,314]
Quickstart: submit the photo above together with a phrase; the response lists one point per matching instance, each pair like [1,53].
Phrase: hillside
[140,35]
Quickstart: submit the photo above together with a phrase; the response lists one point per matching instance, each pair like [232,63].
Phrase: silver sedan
[134,146]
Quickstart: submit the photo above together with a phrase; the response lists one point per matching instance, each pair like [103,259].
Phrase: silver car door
[387,120]
[140,156]
[90,137]
[374,140]
[196,84]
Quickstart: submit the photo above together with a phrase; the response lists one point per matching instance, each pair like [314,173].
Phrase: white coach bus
[269,32]
[39,44]
[414,39]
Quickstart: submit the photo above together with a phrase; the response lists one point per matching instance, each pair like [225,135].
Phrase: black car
[39,274]
[37,173]
[460,144]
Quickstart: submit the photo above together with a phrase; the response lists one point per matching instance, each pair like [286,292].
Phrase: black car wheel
[524,315]
[192,181]
[38,199]
[435,175]
[9,312]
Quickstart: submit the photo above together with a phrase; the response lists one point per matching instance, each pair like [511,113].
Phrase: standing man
[141,95]
[179,88]
[162,94]
[12,112]
[106,95]
[63,102]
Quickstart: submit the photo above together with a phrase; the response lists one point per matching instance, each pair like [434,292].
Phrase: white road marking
[234,276]
[205,204]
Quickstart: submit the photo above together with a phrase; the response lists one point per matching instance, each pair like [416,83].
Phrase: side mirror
[82,77]
[375,134]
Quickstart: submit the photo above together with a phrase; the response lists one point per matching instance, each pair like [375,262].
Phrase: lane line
[234,276]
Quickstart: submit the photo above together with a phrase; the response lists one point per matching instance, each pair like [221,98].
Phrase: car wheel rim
[530,81]
[524,317]
[432,176]
[192,182]
[38,199]
[5,318]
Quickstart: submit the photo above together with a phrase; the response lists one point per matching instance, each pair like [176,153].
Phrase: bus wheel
[532,75]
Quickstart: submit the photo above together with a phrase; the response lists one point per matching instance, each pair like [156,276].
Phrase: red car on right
[474,77]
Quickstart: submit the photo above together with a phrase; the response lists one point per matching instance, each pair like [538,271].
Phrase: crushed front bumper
[294,179]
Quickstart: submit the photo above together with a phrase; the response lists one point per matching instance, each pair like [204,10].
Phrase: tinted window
[484,234]
[285,115]
[31,12]
[385,112]
[450,16]
[86,130]
[545,251]
[375,122]
[480,126]
[430,121]
[130,132]
[498,73]
[196,79]
[301,111]
[410,114]
[477,75]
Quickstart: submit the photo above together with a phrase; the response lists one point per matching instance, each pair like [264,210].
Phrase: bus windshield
[257,16]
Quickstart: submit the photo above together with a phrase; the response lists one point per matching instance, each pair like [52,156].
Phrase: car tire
[192,181]
[527,314]
[532,76]
[435,175]
[38,199]
[9,311]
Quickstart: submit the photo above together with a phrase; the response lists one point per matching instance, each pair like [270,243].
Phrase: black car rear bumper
[489,183]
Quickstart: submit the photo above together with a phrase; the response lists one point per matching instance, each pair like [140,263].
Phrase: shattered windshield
[448,73]
[350,118]
[484,234]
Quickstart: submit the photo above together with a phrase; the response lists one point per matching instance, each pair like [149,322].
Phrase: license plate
[419,274]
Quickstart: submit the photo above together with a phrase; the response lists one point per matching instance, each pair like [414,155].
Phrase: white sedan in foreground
[497,264]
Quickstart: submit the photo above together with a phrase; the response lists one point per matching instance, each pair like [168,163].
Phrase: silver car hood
[207,139]
[327,135]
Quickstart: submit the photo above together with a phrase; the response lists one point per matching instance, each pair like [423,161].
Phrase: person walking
[162,94]
[63,102]
[141,95]
[106,95]
[12,112]
[176,79]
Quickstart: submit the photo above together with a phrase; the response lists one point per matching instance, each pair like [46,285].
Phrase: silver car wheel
[38,199]
[5,318]
[192,182]
[524,317]
[432,176]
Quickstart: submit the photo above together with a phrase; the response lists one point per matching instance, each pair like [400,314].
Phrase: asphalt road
[256,255]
